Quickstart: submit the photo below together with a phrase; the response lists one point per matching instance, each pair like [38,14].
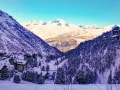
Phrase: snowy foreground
[55,87]
[24,85]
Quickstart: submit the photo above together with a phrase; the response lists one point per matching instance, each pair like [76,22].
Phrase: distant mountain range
[63,35]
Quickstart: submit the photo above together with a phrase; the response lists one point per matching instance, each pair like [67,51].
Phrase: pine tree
[110,78]
[60,78]
[40,80]
[85,77]
[53,76]
[16,79]
[43,68]
[47,68]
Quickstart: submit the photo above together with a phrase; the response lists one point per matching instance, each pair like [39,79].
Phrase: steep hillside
[14,38]
[23,53]
[96,61]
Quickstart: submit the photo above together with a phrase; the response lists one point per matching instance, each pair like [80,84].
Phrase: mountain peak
[59,22]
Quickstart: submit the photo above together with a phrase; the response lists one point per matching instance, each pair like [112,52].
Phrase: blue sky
[79,12]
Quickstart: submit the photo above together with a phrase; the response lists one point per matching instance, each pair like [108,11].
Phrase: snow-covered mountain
[63,35]
[14,38]
[51,29]
[95,61]
[22,51]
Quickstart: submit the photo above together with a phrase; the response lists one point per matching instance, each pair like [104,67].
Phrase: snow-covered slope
[51,29]
[14,38]
[97,60]
[57,32]
[25,86]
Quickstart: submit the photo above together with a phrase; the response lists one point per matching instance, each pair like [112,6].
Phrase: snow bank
[54,87]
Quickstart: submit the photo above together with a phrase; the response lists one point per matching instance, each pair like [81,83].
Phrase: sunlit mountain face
[63,35]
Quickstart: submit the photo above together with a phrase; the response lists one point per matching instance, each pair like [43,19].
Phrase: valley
[88,56]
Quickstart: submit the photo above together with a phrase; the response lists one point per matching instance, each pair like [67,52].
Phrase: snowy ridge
[99,56]
[55,32]
[15,38]
[51,29]
[21,50]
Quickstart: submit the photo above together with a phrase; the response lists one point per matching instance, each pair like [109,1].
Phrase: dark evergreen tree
[40,80]
[110,78]
[116,78]
[85,77]
[2,54]
[34,56]
[47,68]
[16,79]
[35,77]
[43,68]
[46,75]
[53,76]
[39,63]
[60,77]
[4,73]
